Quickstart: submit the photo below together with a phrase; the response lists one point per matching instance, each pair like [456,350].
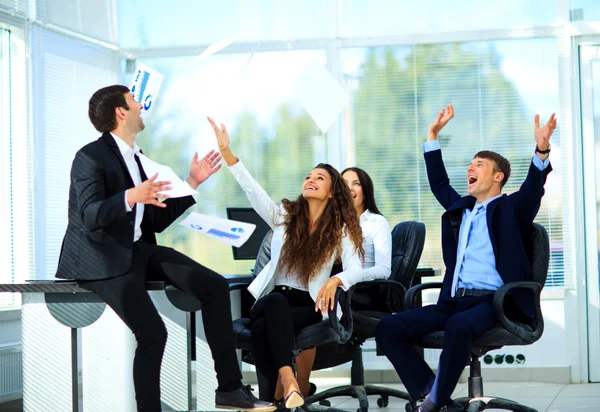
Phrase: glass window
[181,22]
[495,87]
[389,17]
[270,132]
[584,10]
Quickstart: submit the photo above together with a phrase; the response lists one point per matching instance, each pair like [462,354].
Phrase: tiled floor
[545,397]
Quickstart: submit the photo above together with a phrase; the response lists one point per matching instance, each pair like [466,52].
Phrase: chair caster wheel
[383,401]
[411,407]
[325,403]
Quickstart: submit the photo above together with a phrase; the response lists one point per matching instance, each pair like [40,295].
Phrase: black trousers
[275,318]
[461,319]
[128,297]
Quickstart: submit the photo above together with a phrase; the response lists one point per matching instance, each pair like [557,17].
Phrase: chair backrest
[264,254]
[539,254]
[408,240]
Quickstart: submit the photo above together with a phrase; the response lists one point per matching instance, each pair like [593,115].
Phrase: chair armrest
[237,282]
[343,327]
[412,293]
[512,327]
[382,294]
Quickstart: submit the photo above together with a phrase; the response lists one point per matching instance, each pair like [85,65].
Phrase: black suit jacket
[99,238]
[510,224]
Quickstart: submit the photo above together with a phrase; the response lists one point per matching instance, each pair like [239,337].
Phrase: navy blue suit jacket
[510,224]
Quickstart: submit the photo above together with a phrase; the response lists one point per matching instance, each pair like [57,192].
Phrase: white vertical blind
[398,91]
[93,18]
[66,72]
[14,7]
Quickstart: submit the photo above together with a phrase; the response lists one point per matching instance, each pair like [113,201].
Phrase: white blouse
[273,215]
[378,246]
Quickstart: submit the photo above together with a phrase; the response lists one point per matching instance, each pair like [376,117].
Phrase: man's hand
[148,192]
[438,124]
[326,296]
[203,169]
[542,134]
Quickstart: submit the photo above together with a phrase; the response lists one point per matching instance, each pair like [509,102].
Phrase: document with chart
[229,231]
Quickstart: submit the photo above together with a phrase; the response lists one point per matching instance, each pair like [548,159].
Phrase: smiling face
[352,180]
[135,123]
[317,185]
[483,181]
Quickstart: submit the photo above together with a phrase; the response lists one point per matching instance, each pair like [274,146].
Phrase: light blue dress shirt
[478,267]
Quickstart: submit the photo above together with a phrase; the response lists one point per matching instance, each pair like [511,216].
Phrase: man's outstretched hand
[542,134]
[438,124]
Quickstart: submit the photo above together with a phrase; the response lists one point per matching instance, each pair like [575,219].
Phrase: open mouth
[311,187]
[471,180]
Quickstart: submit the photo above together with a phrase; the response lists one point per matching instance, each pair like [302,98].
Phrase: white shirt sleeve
[127,208]
[382,245]
[353,272]
[258,197]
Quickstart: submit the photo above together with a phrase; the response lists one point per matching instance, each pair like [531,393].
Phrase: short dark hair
[103,104]
[500,163]
[367,187]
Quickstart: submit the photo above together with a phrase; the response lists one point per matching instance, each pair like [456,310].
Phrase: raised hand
[221,134]
[542,134]
[441,120]
[203,169]
[223,142]
[149,192]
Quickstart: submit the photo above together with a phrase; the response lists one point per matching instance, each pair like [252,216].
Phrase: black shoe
[453,407]
[242,400]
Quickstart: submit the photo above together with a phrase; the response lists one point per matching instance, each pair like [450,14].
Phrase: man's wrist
[431,136]
[129,198]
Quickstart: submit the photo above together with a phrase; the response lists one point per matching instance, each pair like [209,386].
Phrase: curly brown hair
[303,253]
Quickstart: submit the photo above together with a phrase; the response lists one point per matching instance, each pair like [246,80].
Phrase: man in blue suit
[484,245]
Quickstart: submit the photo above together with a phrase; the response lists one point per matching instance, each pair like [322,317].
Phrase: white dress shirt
[377,243]
[134,171]
[274,216]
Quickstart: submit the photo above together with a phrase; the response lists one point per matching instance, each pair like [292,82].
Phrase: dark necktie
[139,163]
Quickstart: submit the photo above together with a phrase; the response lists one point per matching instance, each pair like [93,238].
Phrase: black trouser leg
[213,291]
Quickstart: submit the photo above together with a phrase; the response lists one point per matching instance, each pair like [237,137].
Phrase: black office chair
[371,302]
[329,331]
[508,332]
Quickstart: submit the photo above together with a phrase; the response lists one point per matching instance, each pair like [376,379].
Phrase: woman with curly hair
[295,289]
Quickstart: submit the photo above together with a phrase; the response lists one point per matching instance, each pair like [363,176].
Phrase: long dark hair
[304,253]
[367,187]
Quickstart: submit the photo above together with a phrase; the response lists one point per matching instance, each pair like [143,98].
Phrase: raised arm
[529,197]
[436,171]
[261,202]
[382,244]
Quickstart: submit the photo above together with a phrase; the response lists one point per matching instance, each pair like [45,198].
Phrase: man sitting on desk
[114,213]
[484,243]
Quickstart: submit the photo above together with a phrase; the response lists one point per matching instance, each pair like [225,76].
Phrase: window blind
[397,92]
[66,72]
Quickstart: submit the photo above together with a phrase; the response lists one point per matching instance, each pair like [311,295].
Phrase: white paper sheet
[320,95]
[216,47]
[144,86]
[180,188]
[229,231]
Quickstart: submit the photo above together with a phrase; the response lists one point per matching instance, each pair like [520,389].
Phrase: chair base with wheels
[357,388]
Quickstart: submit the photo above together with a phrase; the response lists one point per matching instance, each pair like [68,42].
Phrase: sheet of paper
[216,47]
[180,188]
[144,86]
[320,95]
[229,231]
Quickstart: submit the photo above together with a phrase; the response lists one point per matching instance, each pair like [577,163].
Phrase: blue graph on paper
[222,234]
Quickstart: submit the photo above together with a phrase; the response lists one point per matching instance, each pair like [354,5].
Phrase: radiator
[11,373]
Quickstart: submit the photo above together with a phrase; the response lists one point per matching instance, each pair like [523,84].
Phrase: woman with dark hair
[377,244]
[295,289]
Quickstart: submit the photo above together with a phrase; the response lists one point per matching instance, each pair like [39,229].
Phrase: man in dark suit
[110,243]
[484,245]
